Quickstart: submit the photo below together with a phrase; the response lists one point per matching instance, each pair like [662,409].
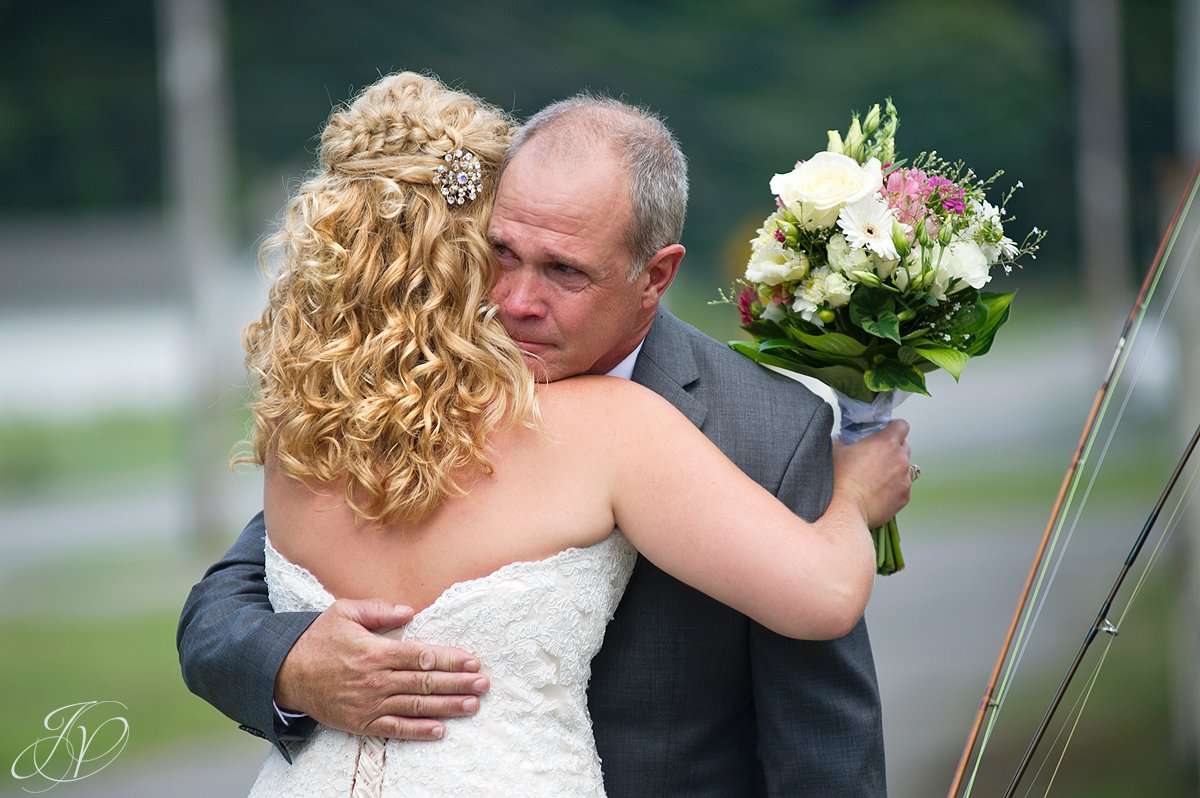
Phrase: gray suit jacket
[688,697]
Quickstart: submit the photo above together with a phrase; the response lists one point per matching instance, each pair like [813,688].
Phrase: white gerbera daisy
[867,224]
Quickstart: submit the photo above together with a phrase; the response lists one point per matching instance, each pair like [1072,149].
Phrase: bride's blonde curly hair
[378,360]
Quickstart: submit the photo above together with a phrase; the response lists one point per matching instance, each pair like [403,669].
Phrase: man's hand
[344,675]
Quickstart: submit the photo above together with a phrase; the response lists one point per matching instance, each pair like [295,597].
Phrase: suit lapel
[667,365]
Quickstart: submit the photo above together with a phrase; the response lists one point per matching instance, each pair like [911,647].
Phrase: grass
[36,452]
[45,665]
[38,456]
[101,627]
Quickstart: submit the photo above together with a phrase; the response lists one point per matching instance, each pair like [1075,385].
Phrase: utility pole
[1101,173]
[197,151]
[1185,701]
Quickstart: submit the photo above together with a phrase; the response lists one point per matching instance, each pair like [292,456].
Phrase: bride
[409,455]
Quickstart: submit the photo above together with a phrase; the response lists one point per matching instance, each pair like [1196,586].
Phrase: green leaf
[834,343]
[969,320]
[861,364]
[951,360]
[802,353]
[997,305]
[778,343]
[763,328]
[917,337]
[892,375]
[778,358]
[997,308]
[847,379]
[894,166]
[912,357]
[875,312]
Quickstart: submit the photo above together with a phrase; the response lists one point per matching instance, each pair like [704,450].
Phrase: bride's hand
[874,472]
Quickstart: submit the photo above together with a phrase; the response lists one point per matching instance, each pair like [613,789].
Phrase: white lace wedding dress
[535,627]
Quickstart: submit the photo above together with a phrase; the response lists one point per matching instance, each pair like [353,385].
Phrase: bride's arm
[694,514]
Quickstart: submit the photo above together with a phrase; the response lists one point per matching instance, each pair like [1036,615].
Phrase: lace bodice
[535,627]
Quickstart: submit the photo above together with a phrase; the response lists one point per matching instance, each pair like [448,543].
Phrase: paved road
[937,627]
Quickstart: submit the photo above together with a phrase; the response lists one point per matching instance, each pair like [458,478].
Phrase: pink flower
[906,191]
[951,196]
[747,296]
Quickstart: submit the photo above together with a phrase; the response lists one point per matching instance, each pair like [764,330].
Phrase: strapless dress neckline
[535,626]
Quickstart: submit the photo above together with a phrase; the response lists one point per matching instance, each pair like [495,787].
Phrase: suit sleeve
[231,643]
[820,729]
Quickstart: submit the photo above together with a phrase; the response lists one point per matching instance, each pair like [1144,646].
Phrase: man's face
[562,289]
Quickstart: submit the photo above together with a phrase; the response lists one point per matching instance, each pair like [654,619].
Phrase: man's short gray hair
[642,143]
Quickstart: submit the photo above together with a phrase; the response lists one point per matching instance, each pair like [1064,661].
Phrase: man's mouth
[531,346]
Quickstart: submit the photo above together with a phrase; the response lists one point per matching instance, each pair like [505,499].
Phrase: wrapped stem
[860,419]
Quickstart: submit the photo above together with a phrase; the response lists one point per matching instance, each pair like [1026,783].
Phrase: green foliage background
[749,87]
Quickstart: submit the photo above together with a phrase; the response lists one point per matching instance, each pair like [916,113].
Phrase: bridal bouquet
[869,273]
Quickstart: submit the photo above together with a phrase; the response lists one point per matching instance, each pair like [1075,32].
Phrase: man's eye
[563,268]
[502,250]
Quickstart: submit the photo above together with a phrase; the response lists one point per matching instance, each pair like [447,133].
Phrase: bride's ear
[660,271]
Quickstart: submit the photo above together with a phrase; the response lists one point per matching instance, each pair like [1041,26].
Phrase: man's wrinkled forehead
[568,174]
[567,145]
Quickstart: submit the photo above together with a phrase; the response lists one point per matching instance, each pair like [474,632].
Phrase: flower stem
[894,535]
[888,559]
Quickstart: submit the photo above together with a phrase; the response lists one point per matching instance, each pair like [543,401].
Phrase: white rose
[837,290]
[842,257]
[964,261]
[772,264]
[818,188]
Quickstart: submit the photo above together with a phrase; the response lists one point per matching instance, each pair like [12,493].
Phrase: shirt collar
[624,369]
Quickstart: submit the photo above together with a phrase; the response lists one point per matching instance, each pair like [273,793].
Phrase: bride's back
[535,624]
[548,491]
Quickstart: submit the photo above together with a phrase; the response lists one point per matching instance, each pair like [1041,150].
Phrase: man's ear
[659,272]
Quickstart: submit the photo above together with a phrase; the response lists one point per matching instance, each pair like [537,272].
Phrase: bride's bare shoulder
[604,413]
[592,394]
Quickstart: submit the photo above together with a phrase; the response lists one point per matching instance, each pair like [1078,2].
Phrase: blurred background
[146,147]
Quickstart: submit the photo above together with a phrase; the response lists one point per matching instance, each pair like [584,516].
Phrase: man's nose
[519,294]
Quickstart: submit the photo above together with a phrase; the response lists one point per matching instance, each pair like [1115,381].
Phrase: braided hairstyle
[378,362]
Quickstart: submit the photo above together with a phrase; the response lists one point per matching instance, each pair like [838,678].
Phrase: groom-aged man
[687,697]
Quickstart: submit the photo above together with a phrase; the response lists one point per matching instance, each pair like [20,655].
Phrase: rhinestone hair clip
[460,178]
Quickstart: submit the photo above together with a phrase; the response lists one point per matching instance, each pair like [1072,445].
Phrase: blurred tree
[748,88]
[78,106]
